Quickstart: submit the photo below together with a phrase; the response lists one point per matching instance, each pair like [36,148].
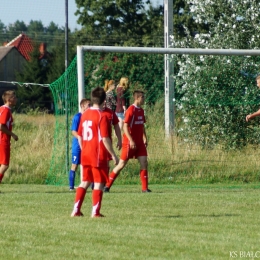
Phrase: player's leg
[3,169]
[144,173]
[142,158]
[100,177]
[126,153]
[75,161]
[87,179]
[4,159]
[114,174]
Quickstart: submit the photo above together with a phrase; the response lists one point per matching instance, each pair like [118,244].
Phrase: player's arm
[108,144]
[118,135]
[80,141]
[250,116]
[5,130]
[74,133]
[145,138]
[129,137]
[79,134]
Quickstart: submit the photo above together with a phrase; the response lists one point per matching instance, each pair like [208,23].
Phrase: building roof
[23,44]
[4,51]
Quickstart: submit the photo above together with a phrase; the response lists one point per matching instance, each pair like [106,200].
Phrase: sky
[45,10]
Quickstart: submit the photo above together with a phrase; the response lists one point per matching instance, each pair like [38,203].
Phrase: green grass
[172,222]
[171,160]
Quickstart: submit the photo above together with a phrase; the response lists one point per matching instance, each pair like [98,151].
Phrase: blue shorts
[75,159]
[120,115]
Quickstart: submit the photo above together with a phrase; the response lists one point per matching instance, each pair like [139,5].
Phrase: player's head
[9,97]
[98,96]
[258,81]
[138,97]
[109,85]
[123,83]
[84,104]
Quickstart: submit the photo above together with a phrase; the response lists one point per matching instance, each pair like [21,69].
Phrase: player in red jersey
[94,139]
[6,121]
[134,142]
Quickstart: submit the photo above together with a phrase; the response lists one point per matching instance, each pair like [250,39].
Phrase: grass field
[171,161]
[217,221]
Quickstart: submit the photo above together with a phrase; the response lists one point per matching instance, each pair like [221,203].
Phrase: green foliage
[215,93]
[119,22]
[144,72]
[35,71]
[183,20]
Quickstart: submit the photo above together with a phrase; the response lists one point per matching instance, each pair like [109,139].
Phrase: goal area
[213,92]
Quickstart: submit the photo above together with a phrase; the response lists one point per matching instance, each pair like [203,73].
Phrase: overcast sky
[45,10]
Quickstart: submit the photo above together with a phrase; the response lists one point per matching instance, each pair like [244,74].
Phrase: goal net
[214,92]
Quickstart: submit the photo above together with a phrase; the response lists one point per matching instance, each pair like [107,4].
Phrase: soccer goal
[81,74]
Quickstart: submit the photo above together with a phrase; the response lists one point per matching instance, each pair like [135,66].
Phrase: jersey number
[87,131]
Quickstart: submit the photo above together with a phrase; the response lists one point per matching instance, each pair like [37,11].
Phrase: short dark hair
[98,96]
[138,93]
[7,94]
[84,100]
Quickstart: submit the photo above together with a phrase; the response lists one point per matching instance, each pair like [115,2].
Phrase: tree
[34,71]
[183,20]
[110,22]
[13,30]
[212,92]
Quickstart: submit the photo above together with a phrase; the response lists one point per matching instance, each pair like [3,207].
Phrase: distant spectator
[110,97]
[121,100]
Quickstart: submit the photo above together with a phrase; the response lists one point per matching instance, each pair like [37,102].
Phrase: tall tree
[13,30]
[112,22]
[214,93]
[184,20]
[35,71]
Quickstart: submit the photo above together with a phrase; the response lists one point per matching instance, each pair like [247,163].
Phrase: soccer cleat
[76,214]
[72,189]
[106,189]
[146,190]
[98,216]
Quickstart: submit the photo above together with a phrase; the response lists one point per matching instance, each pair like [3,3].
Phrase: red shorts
[128,153]
[93,174]
[4,154]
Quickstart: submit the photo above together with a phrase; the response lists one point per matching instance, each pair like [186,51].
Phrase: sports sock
[79,198]
[144,179]
[72,179]
[112,178]
[1,177]
[96,202]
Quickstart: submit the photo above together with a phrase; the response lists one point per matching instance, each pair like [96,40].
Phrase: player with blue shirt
[75,150]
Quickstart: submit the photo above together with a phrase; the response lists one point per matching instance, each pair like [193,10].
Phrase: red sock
[96,202]
[79,198]
[112,178]
[144,179]
[1,177]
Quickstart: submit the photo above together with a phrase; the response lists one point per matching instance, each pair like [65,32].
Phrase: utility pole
[66,86]
[168,68]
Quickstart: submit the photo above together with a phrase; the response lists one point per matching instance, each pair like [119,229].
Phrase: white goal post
[169,124]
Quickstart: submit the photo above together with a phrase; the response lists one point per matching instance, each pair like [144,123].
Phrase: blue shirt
[74,127]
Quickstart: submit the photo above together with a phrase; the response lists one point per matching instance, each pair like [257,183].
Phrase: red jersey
[94,125]
[135,119]
[112,118]
[7,120]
